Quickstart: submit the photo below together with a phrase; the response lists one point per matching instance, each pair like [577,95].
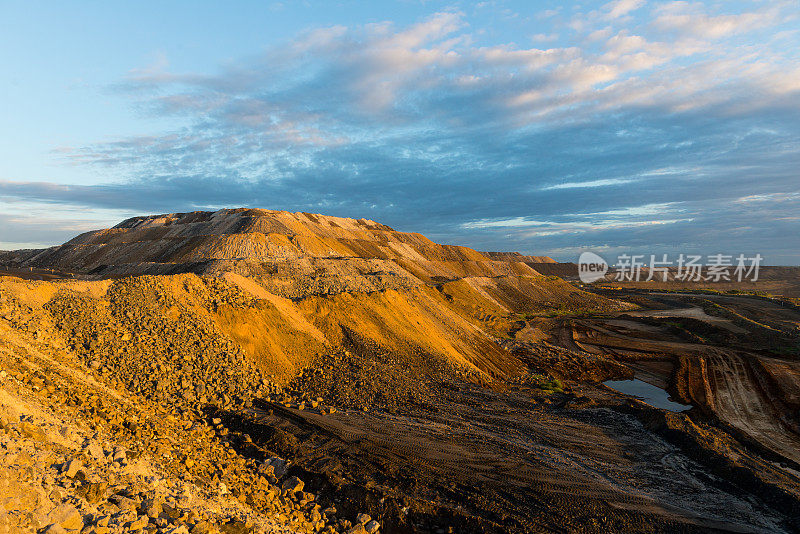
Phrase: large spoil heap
[326,280]
[170,243]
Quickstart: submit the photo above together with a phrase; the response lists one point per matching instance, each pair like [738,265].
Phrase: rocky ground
[81,452]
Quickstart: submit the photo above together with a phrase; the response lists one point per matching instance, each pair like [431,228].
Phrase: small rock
[358,529]
[139,524]
[236,527]
[71,468]
[23,459]
[293,484]
[372,526]
[93,492]
[151,507]
[363,518]
[34,432]
[279,466]
[68,433]
[171,512]
[123,503]
[203,527]
[8,416]
[67,516]
[94,450]
[55,528]
[119,455]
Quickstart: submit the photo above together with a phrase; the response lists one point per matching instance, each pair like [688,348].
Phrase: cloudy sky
[545,127]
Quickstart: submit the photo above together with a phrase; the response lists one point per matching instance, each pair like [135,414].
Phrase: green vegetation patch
[547,384]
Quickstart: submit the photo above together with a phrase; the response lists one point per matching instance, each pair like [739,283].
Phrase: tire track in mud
[521,464]
[738,400]
[722,381]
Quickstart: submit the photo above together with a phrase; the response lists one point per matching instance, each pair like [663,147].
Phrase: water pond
[652,395]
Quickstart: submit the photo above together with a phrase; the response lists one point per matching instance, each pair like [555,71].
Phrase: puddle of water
[652,395]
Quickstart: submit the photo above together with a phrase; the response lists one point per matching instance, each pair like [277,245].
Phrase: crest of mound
[256,242]
[516,256]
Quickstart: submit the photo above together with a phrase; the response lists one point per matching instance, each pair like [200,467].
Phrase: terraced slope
[164,244]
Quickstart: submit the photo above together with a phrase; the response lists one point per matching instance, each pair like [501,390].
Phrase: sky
[628,126]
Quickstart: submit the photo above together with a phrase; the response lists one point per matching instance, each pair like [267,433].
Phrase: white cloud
[544,37]
[591,183]
[620,8]
[692,20]
[330,78]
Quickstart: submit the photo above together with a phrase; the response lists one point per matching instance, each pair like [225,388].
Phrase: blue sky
[546,127]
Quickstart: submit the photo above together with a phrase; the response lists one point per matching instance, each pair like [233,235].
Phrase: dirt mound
[567,271]
[203,339]
[157,244]
[516,256]
[278,289]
